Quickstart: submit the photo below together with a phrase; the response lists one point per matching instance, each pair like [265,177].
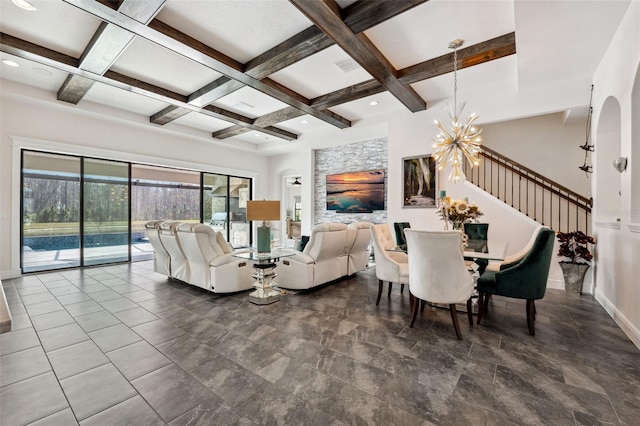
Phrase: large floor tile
[77,358]
[22,365]
[136,316]
[96,321]
[133,411]
[30,400]
[95,390]
[59,337]
[171,391]
[114,337]
[51,320]
[137,359]
[156,332]
[18,340]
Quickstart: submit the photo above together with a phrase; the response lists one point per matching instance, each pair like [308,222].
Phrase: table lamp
[263,210]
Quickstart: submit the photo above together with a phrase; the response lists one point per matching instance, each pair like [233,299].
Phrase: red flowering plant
[574,245]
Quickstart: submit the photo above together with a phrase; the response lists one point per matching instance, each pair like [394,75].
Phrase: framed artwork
[419,178]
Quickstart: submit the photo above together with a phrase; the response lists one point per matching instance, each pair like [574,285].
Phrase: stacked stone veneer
[355,157]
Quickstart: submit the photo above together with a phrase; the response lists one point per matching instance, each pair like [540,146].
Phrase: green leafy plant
[575,246]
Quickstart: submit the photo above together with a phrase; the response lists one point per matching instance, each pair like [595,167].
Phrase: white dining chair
[437,272]
[391,266]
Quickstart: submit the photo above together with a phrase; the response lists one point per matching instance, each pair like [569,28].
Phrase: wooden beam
[26,50]
[104,48]
[326,14]
[348,94]
[365,14]
[190,48]
[266,120]
[359,16]
[480,53]
[470,56]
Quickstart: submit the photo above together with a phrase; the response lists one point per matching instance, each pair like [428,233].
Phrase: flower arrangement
[574,245]
[458,212]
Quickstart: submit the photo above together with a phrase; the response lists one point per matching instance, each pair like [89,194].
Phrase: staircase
[545,201]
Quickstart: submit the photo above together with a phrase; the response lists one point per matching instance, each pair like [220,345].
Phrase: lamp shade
[263,210]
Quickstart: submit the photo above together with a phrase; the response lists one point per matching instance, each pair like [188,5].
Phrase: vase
[574,276]
[457,225]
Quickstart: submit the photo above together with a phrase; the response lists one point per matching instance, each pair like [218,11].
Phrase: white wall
[41,122]
[544,143]
[617,286]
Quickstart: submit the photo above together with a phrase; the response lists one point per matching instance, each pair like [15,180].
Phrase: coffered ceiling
[268,73]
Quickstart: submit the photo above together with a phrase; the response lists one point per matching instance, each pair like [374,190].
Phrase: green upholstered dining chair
[526,279]
[478,231]
[401,239]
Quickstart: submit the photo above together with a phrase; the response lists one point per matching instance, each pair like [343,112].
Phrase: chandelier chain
[455,80]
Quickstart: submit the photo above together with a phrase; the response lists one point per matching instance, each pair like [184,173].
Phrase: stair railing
[537,196]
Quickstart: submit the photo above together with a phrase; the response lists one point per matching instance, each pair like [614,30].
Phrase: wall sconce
[620,164]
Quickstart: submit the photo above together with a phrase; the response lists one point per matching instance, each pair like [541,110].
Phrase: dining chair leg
[411,302]
[380,284]
[470,312]
[390,287]
[401,288]
[422,304]
[481,307]
[454,317]
[414,312]
[530,317]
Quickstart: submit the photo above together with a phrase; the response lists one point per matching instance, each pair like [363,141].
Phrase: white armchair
[391,266]
[358,241]
[168,236]
[211,263]
[438,273]
[324,259]
[161,258]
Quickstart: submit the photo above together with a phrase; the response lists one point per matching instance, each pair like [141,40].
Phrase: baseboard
[7,275]
[622,321]
[555,284]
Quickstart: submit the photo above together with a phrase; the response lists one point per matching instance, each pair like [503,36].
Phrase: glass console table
[264,265]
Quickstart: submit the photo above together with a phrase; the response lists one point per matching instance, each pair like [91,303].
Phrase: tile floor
[121,345]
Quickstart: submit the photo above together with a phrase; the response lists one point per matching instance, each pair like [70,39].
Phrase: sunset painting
[356,192]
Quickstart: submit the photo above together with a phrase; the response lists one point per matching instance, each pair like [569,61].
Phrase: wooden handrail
[541,179]
[550,203]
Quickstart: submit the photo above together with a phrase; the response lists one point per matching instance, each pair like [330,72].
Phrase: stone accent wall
[355,157]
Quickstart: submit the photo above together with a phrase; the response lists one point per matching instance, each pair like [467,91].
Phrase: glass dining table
[474,250]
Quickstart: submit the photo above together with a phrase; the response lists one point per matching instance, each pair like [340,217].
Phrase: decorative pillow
[226,247]
[303,242]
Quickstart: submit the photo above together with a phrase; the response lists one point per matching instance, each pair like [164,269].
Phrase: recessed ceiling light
[10,63]
[374,103]
[24,4]
[304,122]
[257,135]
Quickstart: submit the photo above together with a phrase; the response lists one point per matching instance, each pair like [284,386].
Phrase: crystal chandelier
[463,138]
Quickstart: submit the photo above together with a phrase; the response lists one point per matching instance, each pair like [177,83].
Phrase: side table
[264,265]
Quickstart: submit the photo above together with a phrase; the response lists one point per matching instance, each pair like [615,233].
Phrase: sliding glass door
[50,211]
[160,193]
[79,211]
[106,211]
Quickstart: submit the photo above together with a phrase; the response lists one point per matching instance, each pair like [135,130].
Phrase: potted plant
[574,246]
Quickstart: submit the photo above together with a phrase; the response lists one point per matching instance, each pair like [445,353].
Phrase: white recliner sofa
[325,258]
[179,268]
[196,254]
[211,261]
[359,241]
[161,258]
